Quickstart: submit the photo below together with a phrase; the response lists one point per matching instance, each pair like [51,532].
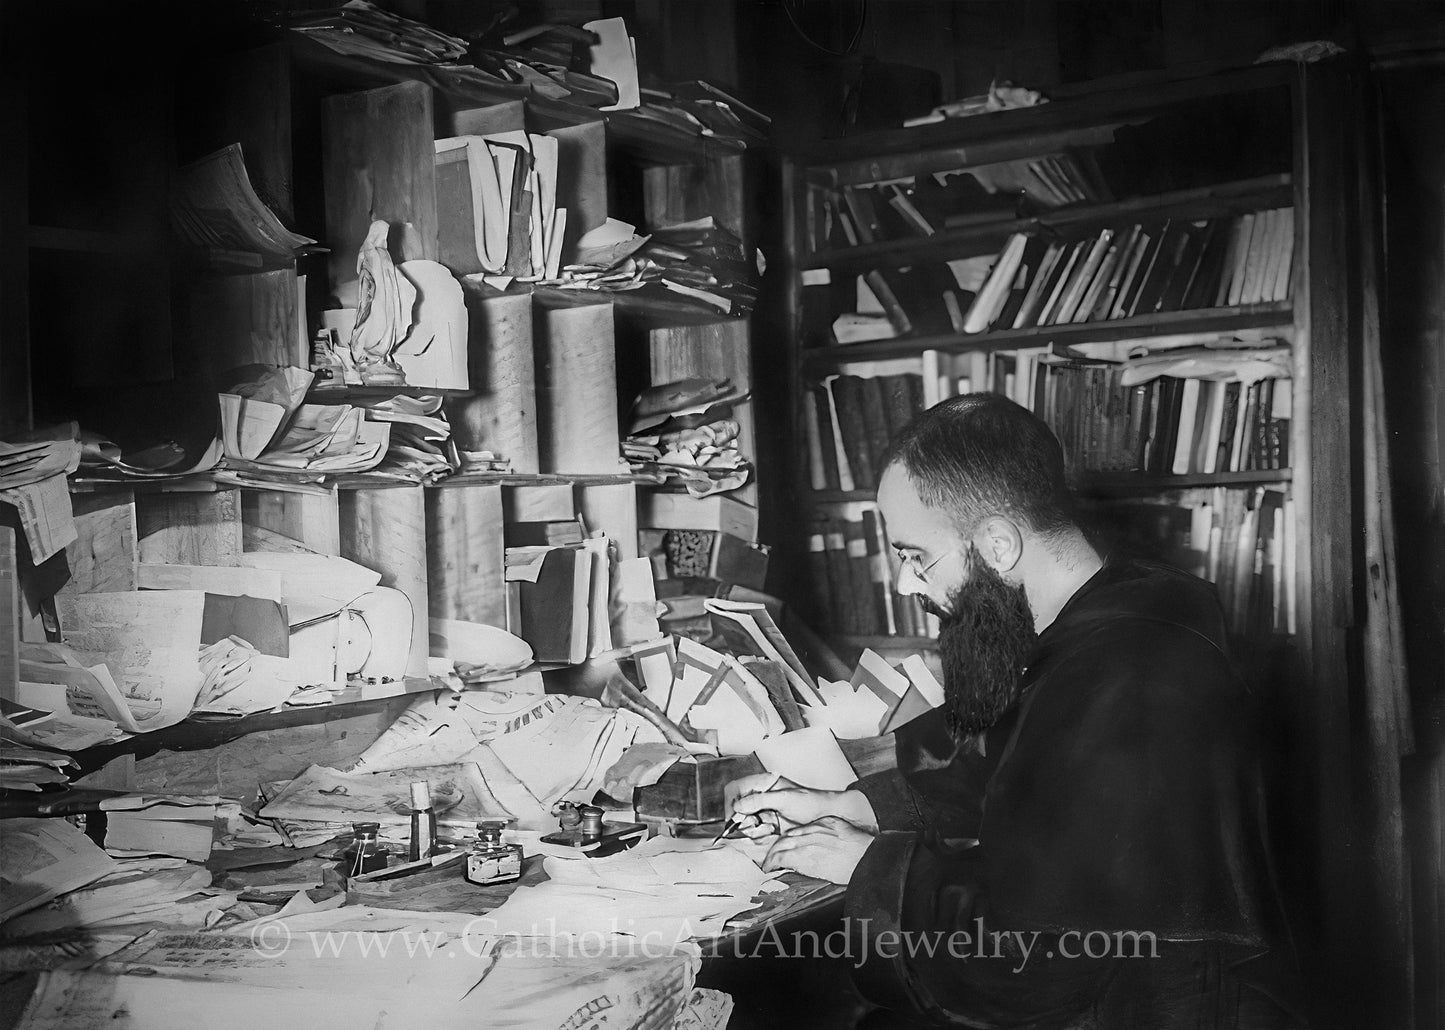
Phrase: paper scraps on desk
[459,795]
[162,892]
[149,640]
[878,699]
[655,892]
[566,757]
[436,729]
[42,859]
[462,978]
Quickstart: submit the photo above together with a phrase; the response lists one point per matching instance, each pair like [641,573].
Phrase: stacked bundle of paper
[32,480]
[215,208]
[561,599]
[688,110]
[365,30]
[878,699]
[26,768]
[594,64]
[504,184]
[663,891]
[685,429]
[421,448]
[465,977]
[267,428]
[485,755]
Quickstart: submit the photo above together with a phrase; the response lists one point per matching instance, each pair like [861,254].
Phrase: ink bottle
[423,823]
[363,854]
[490,860]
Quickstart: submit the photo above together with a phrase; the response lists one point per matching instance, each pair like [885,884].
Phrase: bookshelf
[1162,187]
[330,143]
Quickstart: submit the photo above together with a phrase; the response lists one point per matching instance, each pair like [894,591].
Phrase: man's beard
[984,638]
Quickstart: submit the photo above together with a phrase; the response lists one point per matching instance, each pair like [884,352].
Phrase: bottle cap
[421,794]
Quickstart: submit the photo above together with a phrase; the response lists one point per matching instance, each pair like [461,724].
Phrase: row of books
[1240,539]
[1117,272]
[1137,270]
[924,205]
[1166,425]
[1105,422]
[854,579]
[849,421]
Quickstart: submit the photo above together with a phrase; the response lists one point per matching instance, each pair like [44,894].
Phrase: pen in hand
[733,825]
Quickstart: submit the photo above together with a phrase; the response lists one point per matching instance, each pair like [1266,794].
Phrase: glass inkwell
[364,854]
[491,861]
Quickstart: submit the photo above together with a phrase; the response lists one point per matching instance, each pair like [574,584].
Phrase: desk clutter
[502,825]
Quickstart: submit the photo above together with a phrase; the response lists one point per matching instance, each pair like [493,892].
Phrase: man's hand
[787,806]
[829,849]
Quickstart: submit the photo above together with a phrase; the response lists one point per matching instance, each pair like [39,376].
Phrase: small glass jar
[491,861]
[364,854]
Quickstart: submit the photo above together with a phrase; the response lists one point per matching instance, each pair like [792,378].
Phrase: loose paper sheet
[149,640]
[42,859]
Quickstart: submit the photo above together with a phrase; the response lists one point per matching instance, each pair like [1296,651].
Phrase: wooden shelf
[1274,314]
[1269,191]
[209,482]
[959,142]
[1127,484]
[1112,484]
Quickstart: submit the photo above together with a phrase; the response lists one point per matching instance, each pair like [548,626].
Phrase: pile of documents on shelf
[504,187]
[268,427]
[695,261]
[688,111]
[215,210]
[573,598]
[32,480]
[594,64]
[362,29]
[685,430]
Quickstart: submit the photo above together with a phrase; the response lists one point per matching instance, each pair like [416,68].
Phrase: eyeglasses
[914,564]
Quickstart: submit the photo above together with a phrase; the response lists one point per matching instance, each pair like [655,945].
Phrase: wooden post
[465,552]
[500,414]
[385,530]
[189,528]
[308,518]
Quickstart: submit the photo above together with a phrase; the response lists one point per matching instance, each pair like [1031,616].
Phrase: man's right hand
[788,805]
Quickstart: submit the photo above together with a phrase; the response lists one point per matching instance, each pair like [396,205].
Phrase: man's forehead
[909,521]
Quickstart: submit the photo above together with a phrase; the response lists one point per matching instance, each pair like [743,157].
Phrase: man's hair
[980,455]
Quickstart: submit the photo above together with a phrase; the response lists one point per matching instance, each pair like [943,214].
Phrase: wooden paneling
[377,163]
[308,518]
[385,530]
[465,551]
[576,383]
[103,556]
[189,528]
[500,414]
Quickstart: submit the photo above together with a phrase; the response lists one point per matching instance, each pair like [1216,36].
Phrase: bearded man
[1076,838]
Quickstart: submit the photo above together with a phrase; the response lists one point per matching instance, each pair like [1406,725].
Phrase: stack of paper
[565,756]
[135,656]
[266,426]
[32,480]
[507,182]
[159,892]
[26,768]
[663,890]
[215,208]
[878,699]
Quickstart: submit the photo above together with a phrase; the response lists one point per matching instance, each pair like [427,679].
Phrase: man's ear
[1000,543]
